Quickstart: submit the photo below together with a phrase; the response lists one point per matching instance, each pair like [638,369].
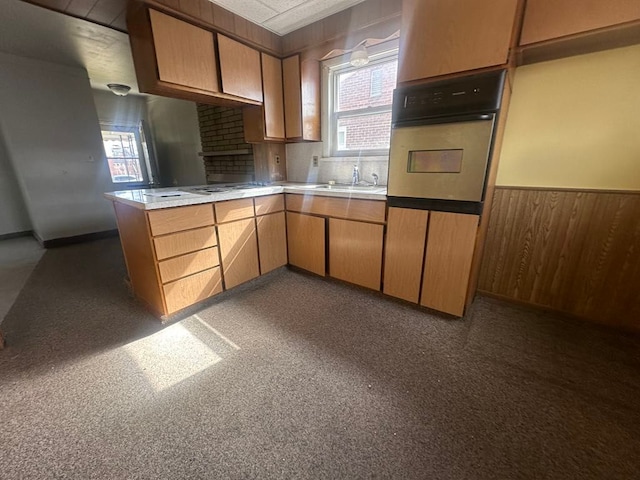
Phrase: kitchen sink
[349,187]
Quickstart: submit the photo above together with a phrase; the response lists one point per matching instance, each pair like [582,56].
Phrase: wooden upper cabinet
[185,54]
[267,122]
[273,96]
[240,69]
[301,81]
[174,58]
[292,96]
[440,37]
[546,20]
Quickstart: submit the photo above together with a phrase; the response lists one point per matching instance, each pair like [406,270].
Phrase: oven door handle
[442,120]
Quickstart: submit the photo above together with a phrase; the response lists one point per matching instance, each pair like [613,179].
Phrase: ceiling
[30,31]
[284,16]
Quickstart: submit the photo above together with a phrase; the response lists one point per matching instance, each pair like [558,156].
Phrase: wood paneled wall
[576,252]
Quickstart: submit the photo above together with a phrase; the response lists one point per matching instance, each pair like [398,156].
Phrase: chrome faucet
[375,179]
[355,177]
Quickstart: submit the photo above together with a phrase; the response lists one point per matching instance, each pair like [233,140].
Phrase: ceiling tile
[305,14]
[253,10]
[284,16]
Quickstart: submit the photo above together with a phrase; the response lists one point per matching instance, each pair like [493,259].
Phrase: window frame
[143,156]
[378,54]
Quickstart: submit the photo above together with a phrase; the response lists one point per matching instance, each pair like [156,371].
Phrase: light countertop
[153,198]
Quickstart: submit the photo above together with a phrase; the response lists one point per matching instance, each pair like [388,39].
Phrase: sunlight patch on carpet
[170,356]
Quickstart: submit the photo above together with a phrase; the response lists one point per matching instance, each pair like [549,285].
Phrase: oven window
[435,161]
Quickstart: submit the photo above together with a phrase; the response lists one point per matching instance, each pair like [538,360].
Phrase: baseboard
[7,236]
[87,237]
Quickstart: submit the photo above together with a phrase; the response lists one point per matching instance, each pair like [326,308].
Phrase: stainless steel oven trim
[475,136]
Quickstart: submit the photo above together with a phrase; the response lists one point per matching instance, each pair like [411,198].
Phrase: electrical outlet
[276,159]
[315,160]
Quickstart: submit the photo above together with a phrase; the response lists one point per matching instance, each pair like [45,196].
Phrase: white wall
[176,134]
[52,137]
[13,213]
[340,169]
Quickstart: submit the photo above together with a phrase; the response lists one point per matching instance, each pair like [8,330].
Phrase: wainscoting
[572,251]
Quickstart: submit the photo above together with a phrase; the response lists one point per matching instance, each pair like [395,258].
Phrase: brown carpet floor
[292,376]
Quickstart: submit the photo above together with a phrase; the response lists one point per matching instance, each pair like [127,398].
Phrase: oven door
[444,161]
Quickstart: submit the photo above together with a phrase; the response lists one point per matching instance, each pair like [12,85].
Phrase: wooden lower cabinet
[404,254]
[171,255]
[238,251]
[272,241]
[428,257]
[180,256]
[355,252]
[177,256]
[306,242]
[450,246]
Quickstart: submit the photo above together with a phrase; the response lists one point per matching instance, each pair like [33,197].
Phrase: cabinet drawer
[234,210]
[364,210]
[188,264]
[171,220]
[184,242]
[269,204]
[192,289]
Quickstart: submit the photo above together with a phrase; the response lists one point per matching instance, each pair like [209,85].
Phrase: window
[126,154]
[359,105]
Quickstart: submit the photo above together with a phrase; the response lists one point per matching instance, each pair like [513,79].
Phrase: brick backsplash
[221,130]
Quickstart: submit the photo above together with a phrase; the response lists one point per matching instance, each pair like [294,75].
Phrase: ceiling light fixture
[119,89]
[359,56]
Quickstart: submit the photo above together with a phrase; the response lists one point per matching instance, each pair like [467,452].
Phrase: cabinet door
[185,54]
[272,241]
[450,244]
[404,254]
[240,69]
[446,36]
[267,122]
[305,242]
[239,251]
[355,252]
[273,97]
[544,20]
[292,96]
[301,81]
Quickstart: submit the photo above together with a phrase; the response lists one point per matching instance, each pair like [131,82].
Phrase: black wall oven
[442,141]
